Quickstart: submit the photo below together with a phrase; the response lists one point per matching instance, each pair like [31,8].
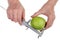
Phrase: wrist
[52,2]
[13,2]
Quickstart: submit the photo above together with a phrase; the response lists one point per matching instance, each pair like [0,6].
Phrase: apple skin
[38,23]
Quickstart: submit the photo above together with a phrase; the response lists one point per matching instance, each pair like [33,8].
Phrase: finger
[20,17]
[50,21]
[38,13]
[9,13]
[15,15]
[23,15]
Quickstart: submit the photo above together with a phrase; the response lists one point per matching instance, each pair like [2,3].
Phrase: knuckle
[54,17]
[22,9]
[50,25]
[9,10]
[14,9]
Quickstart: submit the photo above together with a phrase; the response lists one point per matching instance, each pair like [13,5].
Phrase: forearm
[12,1]
[52,2]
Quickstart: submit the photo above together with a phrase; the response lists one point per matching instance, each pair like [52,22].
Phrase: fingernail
[20,23]
[32,16]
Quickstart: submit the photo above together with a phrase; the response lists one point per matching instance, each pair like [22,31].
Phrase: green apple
[38,23]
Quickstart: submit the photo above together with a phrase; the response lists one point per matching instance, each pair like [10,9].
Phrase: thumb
[36,14]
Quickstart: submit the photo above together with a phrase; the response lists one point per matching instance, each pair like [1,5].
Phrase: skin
[47,10]
[16,11]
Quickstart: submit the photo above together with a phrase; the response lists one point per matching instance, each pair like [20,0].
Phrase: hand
[16,12]
[47,10]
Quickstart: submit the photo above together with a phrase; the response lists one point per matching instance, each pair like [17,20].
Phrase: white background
[13,31]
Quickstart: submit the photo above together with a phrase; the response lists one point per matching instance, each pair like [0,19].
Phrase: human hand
[16,12]
[47,10]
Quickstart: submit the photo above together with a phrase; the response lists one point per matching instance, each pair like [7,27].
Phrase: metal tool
[36,31]
[40,33]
